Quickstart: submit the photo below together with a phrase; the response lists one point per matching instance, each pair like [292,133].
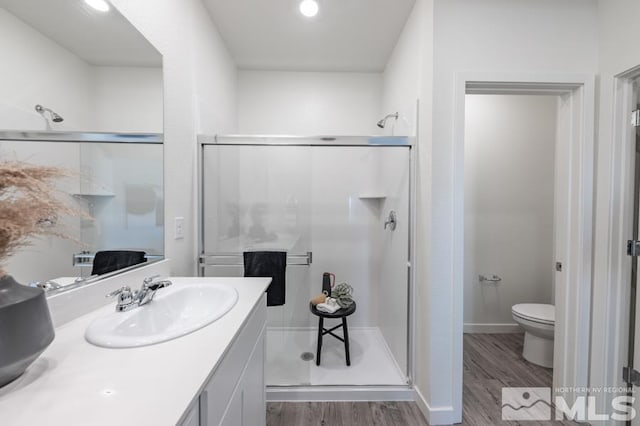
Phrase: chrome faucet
[149,288]
[128,299]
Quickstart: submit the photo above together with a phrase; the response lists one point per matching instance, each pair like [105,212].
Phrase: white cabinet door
[254,410]
[235,394]
[248,402]
[192,417]
[233,415]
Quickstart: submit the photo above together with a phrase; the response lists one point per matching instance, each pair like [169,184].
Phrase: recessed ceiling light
[100,5]
[309,8]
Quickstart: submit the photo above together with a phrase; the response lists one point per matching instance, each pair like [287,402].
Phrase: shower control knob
[391,221]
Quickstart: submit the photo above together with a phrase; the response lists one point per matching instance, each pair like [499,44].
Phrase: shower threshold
[340,393]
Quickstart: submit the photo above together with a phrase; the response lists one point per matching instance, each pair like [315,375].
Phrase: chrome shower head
[55,117]
[383,122]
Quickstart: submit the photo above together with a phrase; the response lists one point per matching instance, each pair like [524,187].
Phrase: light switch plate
[179,228]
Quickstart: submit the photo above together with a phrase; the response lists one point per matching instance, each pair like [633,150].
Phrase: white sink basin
[175,311]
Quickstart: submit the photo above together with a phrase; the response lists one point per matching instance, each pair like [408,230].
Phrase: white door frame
[611,314]
[574,300]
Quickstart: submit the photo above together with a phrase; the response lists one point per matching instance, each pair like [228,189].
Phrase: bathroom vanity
[212,376]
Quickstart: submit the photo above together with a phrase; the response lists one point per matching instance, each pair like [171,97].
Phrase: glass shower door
[258,198]
[332,201]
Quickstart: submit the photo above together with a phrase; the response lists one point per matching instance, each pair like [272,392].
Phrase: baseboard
[339,393]
[492,328]
[435,415]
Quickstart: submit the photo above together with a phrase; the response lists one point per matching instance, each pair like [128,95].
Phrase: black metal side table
[340,313]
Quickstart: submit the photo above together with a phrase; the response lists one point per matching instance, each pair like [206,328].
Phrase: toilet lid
[536,312]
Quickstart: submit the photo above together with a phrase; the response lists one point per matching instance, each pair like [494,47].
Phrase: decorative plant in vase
[30,206]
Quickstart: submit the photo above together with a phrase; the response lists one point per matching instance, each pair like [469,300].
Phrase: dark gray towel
[112,260]
[270,264]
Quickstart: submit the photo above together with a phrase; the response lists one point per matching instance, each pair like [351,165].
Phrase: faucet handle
[125,298]
[124,289]
[155,286]
[150,279]
[124,294]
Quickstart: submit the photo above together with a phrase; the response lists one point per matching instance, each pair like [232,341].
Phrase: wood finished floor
[344,414]
[491,362]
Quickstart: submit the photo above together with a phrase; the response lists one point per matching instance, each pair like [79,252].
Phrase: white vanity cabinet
[235,393]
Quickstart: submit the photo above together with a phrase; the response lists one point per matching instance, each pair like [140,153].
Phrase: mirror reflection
[69,67]
[120,186]
[82,89]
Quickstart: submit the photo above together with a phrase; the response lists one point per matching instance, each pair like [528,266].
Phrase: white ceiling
[346,35]
[98,38]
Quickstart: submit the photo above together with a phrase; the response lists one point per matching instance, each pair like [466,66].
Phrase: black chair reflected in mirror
[113,260]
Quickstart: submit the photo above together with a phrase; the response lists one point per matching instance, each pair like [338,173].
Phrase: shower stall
[329,202]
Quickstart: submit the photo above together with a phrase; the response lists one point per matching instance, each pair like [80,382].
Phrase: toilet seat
[535,312]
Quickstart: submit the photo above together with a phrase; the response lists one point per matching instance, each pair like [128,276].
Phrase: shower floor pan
[291,359]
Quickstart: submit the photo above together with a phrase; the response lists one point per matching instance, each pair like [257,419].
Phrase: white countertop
[76,383]
[65,281]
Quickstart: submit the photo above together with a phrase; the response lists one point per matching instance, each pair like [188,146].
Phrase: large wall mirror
[82,89]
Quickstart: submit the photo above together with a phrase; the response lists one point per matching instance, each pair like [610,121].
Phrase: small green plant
[343,293]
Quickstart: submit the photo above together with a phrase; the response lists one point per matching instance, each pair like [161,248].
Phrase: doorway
[510,161]
[573,211]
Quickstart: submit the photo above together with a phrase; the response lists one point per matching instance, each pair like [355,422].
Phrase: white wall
[492,35]
[509,193]
[409,76]
[309,103]
[127,99]
[402,77]
[199,96]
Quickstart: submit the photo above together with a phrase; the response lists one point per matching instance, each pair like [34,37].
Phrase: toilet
[538,321]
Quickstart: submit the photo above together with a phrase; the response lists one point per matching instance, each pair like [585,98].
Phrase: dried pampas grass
[30,205]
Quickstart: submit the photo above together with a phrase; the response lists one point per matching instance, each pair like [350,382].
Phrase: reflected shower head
[55,117]
[383,122]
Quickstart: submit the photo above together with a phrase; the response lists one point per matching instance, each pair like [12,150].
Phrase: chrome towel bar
[236,259]
[85,259]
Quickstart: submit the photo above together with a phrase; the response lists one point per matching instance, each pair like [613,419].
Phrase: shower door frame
[572,346]
[613,269]
[329,392]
